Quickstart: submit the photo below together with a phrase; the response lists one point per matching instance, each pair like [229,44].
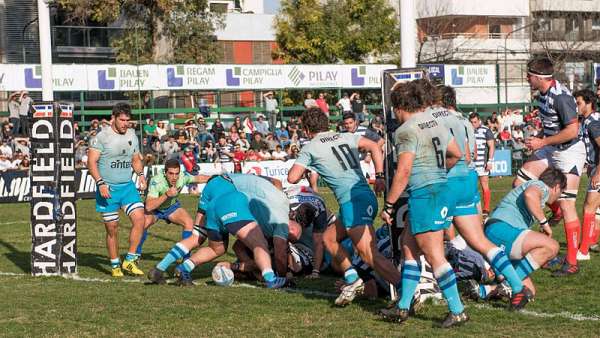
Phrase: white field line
[16,222]
[564,315]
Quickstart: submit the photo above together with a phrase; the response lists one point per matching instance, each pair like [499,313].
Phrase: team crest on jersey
[129,142]
[124,151]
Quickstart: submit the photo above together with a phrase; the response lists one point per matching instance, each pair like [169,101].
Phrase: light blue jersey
[268,204]
[335,157]
[116,151]
[457,129]
[427,138]
[512,208]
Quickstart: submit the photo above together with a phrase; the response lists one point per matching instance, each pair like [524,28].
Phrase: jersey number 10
[349,156]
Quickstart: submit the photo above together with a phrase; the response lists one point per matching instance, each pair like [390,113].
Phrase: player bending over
[112,155]
[561,148]
[509,225]
[425,149]
[335,157]
[246,206]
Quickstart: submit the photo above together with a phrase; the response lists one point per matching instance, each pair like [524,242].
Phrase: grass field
[97,306]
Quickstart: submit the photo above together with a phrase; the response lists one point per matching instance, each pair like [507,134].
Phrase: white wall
[511,8]
[566,5]
[490,95]
[247,27]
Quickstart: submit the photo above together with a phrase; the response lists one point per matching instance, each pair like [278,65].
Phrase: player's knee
[552,247]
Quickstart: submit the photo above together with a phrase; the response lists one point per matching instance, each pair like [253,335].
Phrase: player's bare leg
[363,238]
[138,221]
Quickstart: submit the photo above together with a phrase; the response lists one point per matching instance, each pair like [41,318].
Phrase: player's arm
[453,153]
[491,145]
[296,173]
[92,164]
[377,156]
[276,182]
[596,134]
[200,179]
[533,198]
[399,183]
[565,135]
[138,166]
[153,201]
[567,112]
[280,248]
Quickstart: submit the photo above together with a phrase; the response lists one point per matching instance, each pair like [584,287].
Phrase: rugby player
[113,153]
[162,203]
[335,157]
[425,150]
[247,206]
[586,104]
[463,185]
[484,156]
[510,222]
[561,148]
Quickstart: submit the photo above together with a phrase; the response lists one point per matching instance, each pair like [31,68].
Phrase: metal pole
[408,32]
[45,50]
[506,73]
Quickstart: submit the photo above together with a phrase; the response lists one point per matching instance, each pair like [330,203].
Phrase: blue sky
[271,6]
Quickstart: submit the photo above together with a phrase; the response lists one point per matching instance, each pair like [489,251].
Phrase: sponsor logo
[232,76]
[33,77]
[2,78]
[444,212]
[457,76]
[107,77]
[255,171]
[357,75]
[228,216]
[118,164]
[296,76]
[175,76]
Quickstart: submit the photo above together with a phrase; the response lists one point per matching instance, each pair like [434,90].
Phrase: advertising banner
[502,164]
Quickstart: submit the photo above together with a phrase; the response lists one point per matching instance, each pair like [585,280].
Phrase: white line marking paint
[565,315]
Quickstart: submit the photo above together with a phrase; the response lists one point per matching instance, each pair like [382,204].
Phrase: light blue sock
[525,266]
[268,275]
[131,256]
[501,264]
[187,266]
[411,274]
[115,263]
[186,234]
[177,252]
[138,250]
[447,282]
[350,275]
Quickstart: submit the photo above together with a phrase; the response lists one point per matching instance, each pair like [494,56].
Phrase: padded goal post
[52,173]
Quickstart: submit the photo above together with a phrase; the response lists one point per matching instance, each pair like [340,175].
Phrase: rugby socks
[186,234]
[447,282]
[131,256]
[572,229]
[525,266]
[587,232]
[487,197]
[411,274]
[501,265]
[138,250]
[187,266]
[268,275]
[115,263]
[484,291]
[556,212]
[350,275]
[177,252]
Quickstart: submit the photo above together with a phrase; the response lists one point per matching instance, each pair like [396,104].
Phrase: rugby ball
[222,275]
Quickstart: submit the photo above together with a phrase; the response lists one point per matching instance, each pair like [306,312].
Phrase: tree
[349,31]
[157,31]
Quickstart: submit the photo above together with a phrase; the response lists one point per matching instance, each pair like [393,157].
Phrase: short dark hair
[448,97]
[474,116]
[540,66]
[587,95]
[348,116]
[552,176]
[414,95]
[314,120]
[121,108]
[304,214]
[171,164]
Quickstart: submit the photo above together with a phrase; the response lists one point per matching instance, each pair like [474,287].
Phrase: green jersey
[428,139]
[159,186]
[116,151]
[335,157]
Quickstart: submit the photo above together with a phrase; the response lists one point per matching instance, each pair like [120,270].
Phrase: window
[545,24]
[596,24]
[572,24]
[495,31]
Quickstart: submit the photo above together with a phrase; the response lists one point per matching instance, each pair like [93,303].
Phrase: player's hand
[142,183]
[546,229]
[387,218]
[534,143]
[488,166]
[596,181]
[379,186]
[314,275]
[172,192]
[104,191]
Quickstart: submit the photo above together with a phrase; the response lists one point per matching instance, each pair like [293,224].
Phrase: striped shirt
[557,110]
[482,135]
[222,150]
[591,131]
